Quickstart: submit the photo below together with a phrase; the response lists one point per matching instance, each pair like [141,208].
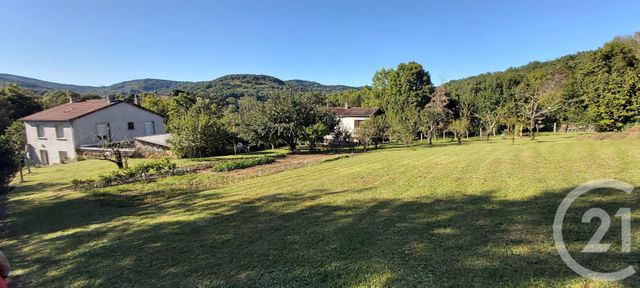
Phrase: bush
[243,163]
[9,162]
[122,176]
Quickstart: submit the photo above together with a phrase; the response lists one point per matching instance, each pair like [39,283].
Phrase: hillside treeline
[599,88]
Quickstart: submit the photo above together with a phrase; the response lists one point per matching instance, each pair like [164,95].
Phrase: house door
[103,132]
[149,128]
[44,157]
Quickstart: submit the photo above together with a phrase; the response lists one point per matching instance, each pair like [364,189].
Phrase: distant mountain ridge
[234,85]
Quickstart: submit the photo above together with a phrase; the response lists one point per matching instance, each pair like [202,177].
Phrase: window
[356,123]
[149,128]
[130,126]
[44,157]
[40,130]
[59,131]
[64,157]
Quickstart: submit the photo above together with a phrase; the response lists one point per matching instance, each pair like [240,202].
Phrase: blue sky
[332,42]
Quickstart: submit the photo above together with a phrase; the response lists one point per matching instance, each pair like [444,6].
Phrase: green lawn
[475,215]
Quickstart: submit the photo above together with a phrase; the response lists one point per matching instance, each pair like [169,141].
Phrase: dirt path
[282,164]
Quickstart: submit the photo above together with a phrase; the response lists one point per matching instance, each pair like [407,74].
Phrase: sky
[329,41]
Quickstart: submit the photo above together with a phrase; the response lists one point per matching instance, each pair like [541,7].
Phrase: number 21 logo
[594,245]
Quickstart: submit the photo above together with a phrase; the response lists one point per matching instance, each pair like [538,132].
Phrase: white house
[352,117]
[55,135]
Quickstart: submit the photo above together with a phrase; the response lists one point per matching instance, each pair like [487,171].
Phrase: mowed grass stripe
[474,215]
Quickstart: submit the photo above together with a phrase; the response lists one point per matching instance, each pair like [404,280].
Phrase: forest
[598,89]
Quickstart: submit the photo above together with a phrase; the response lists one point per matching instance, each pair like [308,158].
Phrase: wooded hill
[600,86]
[234,86]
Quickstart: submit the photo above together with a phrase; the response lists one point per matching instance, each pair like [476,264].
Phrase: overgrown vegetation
[242,163]
[8,163]
[139,172]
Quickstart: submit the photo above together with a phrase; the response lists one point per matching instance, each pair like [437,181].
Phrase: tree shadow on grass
[303,239]
[289,240]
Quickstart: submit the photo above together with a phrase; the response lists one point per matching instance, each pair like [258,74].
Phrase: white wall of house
[117,118]
[55,137]
[349,123]
[83,131]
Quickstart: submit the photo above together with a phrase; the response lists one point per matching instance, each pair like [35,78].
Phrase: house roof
[75,110]
[68,111]
[355,111]
[159,139]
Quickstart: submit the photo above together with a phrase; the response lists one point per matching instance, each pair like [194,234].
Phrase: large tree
[610,85]
[16,136]
[15,103]
[57,97]
[199,132]
[253,124]
[540,96]
[9,162]
[436,113]
[402,93]
[284,116]
[156,104]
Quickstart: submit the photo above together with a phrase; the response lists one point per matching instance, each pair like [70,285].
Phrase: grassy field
[475,215]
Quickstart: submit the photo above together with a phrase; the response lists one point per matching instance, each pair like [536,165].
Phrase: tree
[436,113]
[115,153]
[180,105]
[199,132]
[512,119]
[459,128]
[489,120]
[355,97]
[16,136]
[15,103]
[156,104]
[9,162]
[401,93]
[371,131]
[284,116]
[57,97]
[609,83]
[403,125]
[253,123]
[231,121]
[540,97]
[314,133]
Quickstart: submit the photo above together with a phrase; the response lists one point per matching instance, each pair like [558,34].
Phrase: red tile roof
[355,111]
[69,111]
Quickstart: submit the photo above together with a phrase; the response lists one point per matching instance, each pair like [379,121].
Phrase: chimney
[346,105]
[111,99]
[71,100]
[136,100]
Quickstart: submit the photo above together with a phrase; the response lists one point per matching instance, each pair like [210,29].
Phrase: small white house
[352,117]
[55,135]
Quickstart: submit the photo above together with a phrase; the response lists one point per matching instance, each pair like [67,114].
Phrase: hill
[228,89]
[229,86]
[41,86]
[600,86]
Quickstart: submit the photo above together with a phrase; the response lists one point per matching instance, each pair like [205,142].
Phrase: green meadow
[473,215]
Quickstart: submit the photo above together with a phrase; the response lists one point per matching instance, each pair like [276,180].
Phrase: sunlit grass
[472,215]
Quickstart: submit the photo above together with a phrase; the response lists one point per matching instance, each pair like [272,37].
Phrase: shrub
[243,163]
[9,162]
[121,176]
